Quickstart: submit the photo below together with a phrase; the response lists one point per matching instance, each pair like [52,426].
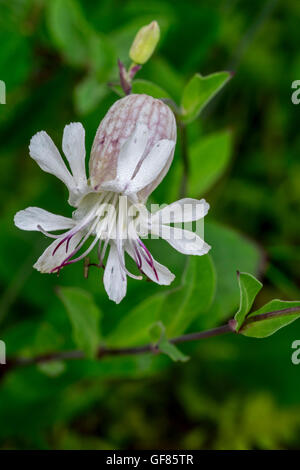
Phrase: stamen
[77,248]
[85,221]
[120,251]
[66,263]
[148,257]
[137,256]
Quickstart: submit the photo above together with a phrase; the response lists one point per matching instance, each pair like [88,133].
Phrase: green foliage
[231,252]
[192,299]
[53,368]
[134,327]
[176,309]
[172,351]
[209,158]
[268,326]
[158,334]
[199,91]
[249,288]
[78,42]
[69,30]
[84,316]
[149,88]
[88,94]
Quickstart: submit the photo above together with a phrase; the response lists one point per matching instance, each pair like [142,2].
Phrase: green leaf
[69,30]
[194,297]
[88,94]
[103,56]
[208,158]
[199,91]
[172,351]
[261,328]
[47,338]
[149,88]
[15,49]
[249,288]
[155,331]
[78,42]
[84,316]
[157,334]
[230,252]
[167,75]
[52,369]
[133,329]
[176,308]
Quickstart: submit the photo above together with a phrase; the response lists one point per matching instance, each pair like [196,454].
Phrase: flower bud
[118,125]
[144,43]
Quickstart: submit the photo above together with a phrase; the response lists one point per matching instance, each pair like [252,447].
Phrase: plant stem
[270,315]
[104,351]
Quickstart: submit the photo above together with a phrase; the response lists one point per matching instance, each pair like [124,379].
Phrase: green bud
[144,43]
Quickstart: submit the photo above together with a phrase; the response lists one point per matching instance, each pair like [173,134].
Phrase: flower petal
[115,280]
[131,152]
[73,145]
[184,210]
[116,186]
[184,241]
[165,277]
[43,150]
[30,218]
[48,261]
[152,165]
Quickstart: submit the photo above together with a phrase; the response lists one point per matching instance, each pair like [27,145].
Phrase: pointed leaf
[158,335]
[266,326]
[199,91]
[230,251]
[172,351]
[249,288]
[84,316]
[88,94]
[133,329]
[183,305]
[69,30]
[52,369]
[209,157]
[149,88]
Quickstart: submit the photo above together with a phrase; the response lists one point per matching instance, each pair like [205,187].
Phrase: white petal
[30,218]
[115,280]
[47,262]
[116,186]
[152,165]
[43,150]
[184,241]
[131,152]
[165,277]
[74,149]
[185,210]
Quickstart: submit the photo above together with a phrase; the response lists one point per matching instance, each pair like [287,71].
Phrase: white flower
[132,152]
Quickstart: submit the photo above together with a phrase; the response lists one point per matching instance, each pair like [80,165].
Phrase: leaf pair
[268,319]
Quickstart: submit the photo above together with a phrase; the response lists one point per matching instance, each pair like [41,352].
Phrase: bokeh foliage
[56,58]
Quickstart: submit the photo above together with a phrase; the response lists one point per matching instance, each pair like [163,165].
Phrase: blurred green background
[235,392]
